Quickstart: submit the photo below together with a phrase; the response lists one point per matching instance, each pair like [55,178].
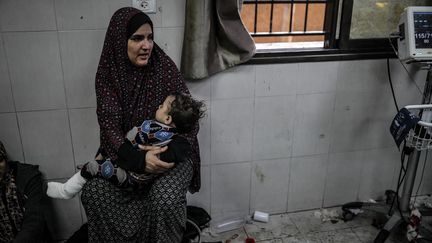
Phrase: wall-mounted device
[415,34]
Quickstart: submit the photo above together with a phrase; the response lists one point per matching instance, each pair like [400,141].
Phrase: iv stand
[411,170]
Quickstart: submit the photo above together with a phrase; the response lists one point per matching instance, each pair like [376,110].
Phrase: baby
[178,114]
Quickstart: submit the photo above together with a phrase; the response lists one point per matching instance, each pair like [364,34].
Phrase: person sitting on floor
[23,202]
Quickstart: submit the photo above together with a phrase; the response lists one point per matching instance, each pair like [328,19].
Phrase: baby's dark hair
[186,112]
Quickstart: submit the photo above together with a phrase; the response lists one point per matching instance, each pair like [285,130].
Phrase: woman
[23,204]
[134,76]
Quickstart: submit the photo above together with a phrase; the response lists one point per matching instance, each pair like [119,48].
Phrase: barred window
[317,30]
[292,23]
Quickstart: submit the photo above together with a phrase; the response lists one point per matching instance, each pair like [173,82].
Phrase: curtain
[215,38]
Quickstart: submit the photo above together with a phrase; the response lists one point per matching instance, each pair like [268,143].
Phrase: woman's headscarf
[3,154]
[127,95]
[11,210]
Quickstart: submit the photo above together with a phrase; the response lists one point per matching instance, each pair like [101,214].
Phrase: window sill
[318,55]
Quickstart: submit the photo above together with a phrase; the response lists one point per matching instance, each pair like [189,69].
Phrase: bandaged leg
[68,189]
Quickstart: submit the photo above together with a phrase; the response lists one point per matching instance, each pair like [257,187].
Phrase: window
[289,24]
[323,29]
[368,24]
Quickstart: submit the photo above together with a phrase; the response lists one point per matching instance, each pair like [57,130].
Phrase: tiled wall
[290,137]
[276,138]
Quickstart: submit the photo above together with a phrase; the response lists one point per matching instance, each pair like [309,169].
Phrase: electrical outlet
[147,6]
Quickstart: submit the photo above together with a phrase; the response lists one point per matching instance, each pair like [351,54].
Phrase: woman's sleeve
[109,113]
[33,227]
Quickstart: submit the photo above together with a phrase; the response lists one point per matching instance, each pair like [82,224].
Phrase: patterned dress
[127,95]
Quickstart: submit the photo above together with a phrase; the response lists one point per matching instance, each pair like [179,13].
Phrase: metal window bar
[271,33]
[306,16]
[256,16]
[271,17]
[291,15]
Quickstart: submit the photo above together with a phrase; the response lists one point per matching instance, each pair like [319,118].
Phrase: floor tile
[278,226]
[311,227]
[336,236]
[366,233]
[308,222]
[232,236]
[271,241]
[294,239]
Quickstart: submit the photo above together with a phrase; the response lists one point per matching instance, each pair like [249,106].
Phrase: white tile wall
[305,192]
[343,178]
[273,127]
[65,211]
[80,52]
[279,79]
[171,41]
[313,119]
[423,180]
[203,197]
[35,70]
[402,73]
[200,89]
[276,137]
[157,17]
[23,15]
[317,77]
[86,14]
[408,85]
[350,122]
[378,172]
[231,130]
[269,190]
[362,76]
[233,200]
[6,100]
[380,107]
[47,142]
[237,82]
[173,13]
[85,134]
[10,136]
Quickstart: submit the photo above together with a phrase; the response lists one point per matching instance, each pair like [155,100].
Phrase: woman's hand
[153,163]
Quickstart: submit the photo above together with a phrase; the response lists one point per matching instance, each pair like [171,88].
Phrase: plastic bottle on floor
[228,225]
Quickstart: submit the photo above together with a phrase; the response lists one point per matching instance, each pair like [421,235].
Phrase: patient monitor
[415,34]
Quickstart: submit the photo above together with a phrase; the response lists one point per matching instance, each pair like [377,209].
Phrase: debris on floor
[422,201]
[355,211]
[328,215]
[261,216]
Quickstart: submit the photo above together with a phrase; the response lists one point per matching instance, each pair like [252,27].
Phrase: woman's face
[140,45]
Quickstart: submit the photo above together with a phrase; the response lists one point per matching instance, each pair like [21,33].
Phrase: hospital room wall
[276,138]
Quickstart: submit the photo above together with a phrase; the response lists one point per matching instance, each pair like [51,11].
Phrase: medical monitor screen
[423,30]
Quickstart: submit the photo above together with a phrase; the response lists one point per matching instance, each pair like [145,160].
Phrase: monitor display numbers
[423,29]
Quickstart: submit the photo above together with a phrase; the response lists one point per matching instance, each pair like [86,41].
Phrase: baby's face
[162,113]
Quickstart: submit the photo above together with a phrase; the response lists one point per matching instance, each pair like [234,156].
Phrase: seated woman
[134,76]
[24,203]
